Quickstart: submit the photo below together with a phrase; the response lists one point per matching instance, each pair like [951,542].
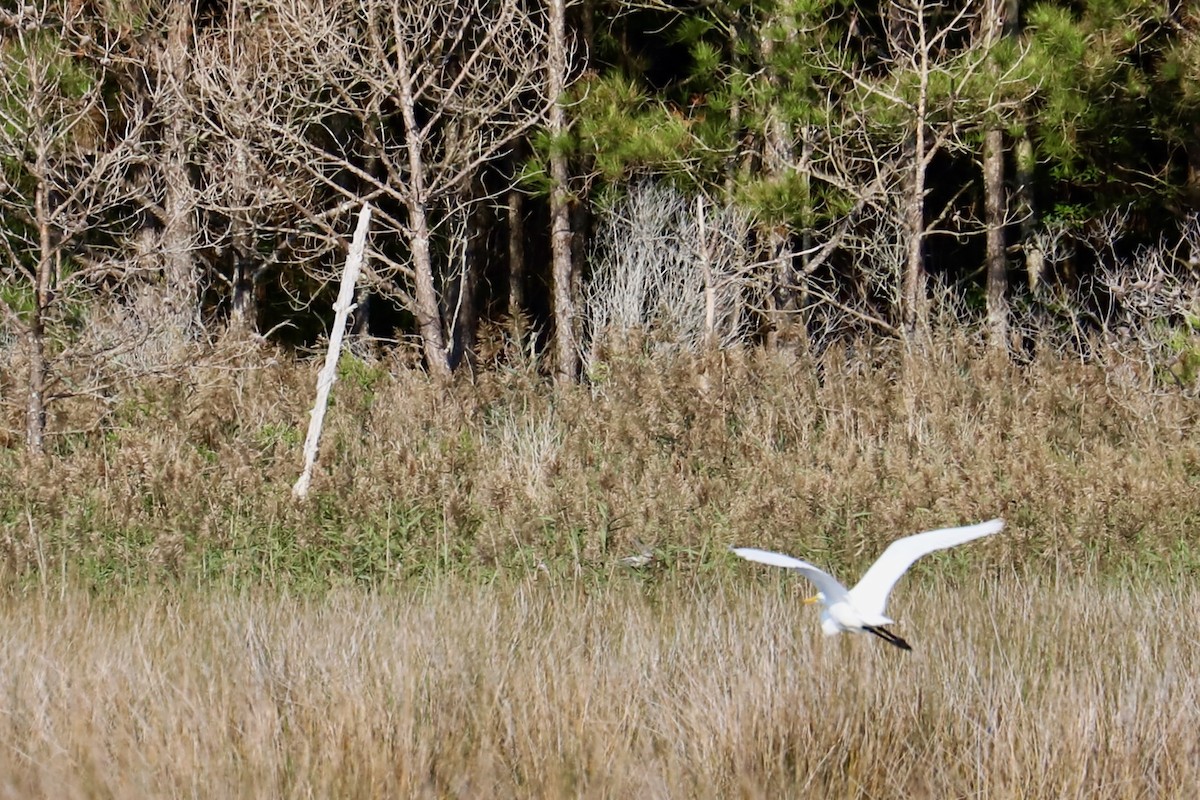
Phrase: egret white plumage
[861,608]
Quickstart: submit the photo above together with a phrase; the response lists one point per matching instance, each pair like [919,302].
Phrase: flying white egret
[861,608]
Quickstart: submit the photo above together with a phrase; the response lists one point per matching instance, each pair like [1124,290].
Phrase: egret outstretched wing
[826,584]
[861,608]
[870,594]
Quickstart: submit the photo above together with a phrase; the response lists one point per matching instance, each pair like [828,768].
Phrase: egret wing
[870,594]
[826,584]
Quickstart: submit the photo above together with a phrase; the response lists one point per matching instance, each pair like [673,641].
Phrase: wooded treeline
[545,173]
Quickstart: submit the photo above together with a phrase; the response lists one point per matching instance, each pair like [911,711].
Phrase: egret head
[819,597]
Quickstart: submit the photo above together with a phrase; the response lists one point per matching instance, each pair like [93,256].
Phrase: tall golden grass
[1019,686]
[449,614]
[189,479]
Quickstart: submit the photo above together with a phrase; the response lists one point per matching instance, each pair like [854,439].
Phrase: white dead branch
[325,379]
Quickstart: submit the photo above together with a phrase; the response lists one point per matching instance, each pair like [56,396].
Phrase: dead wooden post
[325,379]
[710,289]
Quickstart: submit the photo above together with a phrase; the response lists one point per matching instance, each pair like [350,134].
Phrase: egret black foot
[888,636]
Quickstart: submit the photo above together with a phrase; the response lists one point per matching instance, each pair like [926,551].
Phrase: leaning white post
[328,374]
[710,291]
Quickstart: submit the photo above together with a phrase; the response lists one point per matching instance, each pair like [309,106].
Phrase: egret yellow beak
[812,599]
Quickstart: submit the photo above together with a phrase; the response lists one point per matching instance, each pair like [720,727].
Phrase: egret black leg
[888,636]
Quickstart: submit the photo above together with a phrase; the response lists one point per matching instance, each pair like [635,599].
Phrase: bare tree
[70,146]
[919,42]
[405,103]
[924,92]
[254,201]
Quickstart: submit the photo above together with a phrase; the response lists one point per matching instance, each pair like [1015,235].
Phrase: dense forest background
[548,177]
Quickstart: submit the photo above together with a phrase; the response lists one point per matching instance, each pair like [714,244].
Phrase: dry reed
[1018,687]
[189,479]
[449,615]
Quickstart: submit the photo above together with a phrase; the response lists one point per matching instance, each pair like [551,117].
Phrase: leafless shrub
[132,335]
[659,266]
[1055,242]
[1150,312]
[9,342]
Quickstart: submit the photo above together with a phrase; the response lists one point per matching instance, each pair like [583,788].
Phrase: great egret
[861,608]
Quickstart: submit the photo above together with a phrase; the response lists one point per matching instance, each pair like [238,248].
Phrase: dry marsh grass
[449,616]
[721,687]
[189,480]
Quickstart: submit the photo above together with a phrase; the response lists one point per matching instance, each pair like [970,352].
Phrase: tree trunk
[325,379]
[179,204]
[735,154]
[464,322]
[997,261]
[429,319]
[243,307]
[779,157]
[35,409]
[243,312]
[995,201]
[1035,259]
[516,265]
[804,173]
[914,313]
[563,271]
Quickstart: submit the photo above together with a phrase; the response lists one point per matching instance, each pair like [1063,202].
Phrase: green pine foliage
[1099,63]
[623,131]
[43,81]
